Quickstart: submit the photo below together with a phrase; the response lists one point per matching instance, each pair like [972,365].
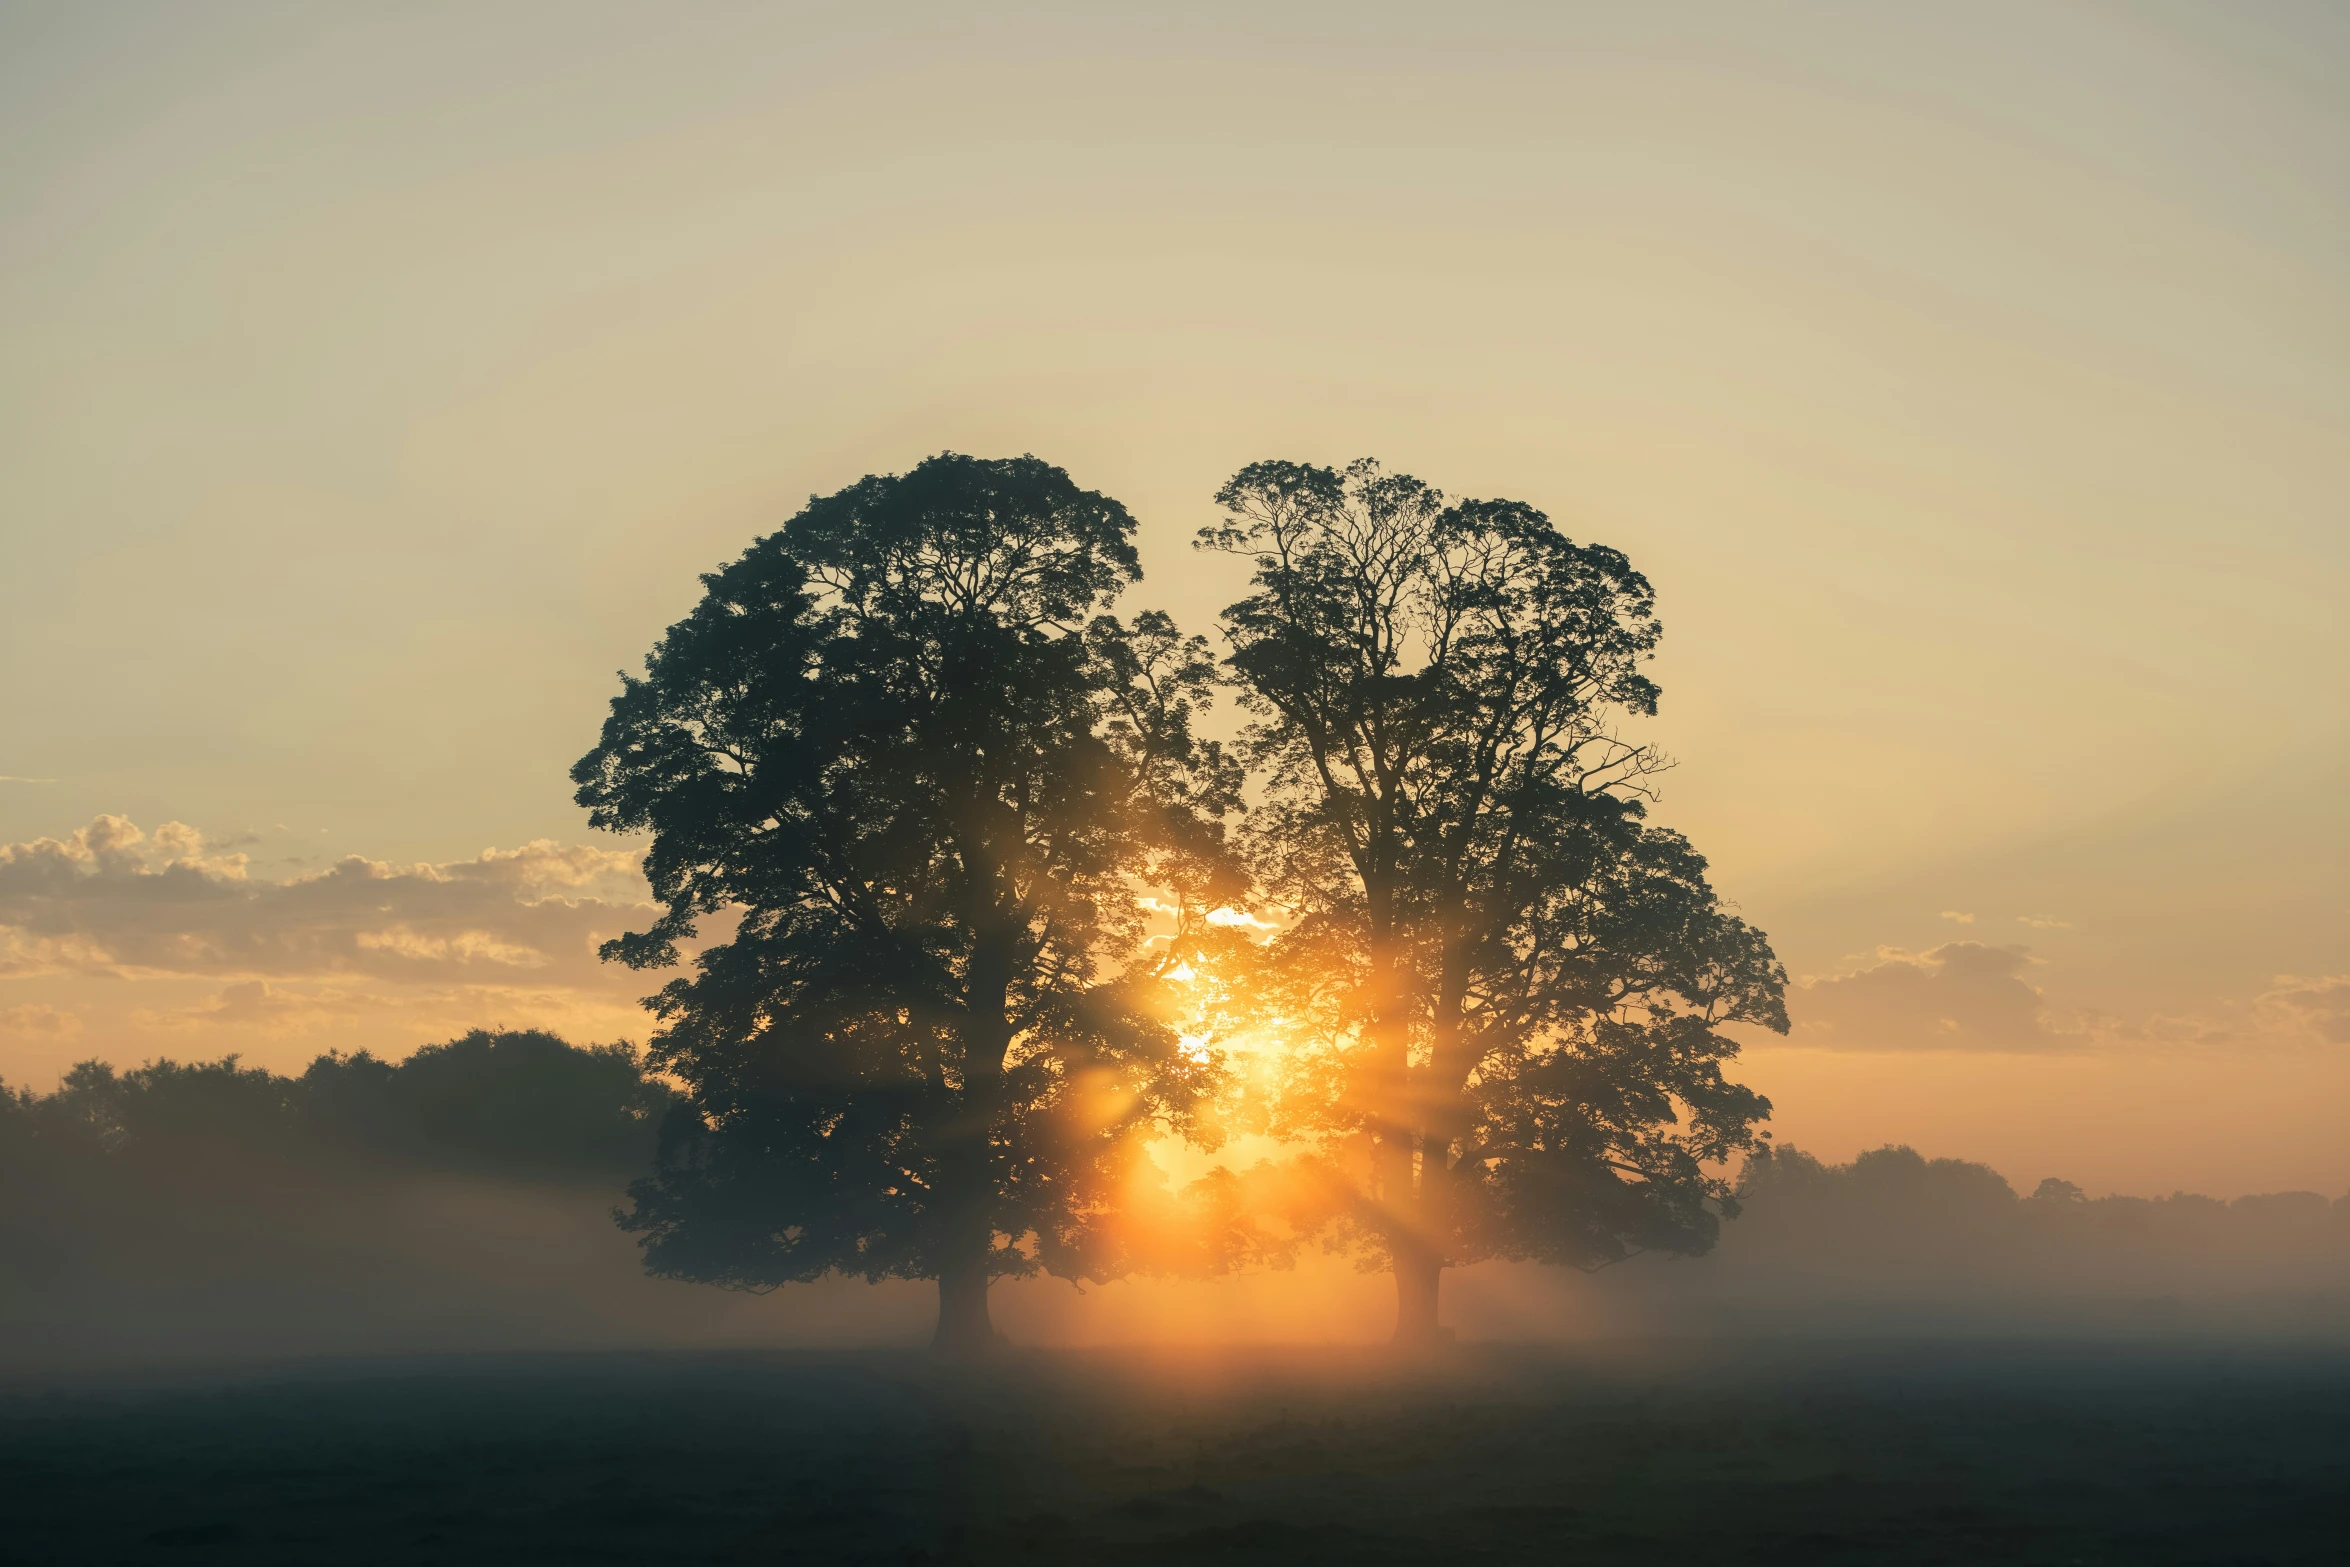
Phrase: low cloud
[247,1003]
[2317,1007]
[1957,918]
[113,899]
[2043,922]
[39,1018]
[1962,995]
[509,935]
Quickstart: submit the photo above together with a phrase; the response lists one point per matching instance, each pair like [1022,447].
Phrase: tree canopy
[513,1103]
[903,747]
[1507,988]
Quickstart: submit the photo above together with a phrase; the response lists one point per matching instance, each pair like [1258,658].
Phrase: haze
[1970,385]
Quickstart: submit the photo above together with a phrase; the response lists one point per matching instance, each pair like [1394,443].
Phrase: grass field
[1716,1452]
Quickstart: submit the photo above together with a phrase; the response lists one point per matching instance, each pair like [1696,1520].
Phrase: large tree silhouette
[1505,987]
[904,747]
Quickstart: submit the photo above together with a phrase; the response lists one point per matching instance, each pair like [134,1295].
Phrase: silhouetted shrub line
[1892,1212]
[526,1105]
[520,1103]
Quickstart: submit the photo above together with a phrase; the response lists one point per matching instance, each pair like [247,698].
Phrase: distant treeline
[1892,1210]
[459,1199]
[515,1103]
[463,1198]
[528,1106]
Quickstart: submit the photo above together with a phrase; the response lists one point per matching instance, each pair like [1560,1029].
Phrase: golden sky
[1971,381]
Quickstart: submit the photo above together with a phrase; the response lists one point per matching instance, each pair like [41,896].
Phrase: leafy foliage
[905,748]
[514,1103]
[1511,987]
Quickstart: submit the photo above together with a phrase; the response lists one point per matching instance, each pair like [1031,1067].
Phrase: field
[1715,1452]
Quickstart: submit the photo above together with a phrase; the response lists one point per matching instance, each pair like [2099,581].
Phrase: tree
[1508,989]
[905,747]
[520,1102]
[492,1101]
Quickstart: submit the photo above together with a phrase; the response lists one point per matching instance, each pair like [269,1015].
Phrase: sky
[1969,381]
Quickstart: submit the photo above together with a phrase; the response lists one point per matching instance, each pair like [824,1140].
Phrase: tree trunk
[964,1331]
[1419,1273]
[1419,1267]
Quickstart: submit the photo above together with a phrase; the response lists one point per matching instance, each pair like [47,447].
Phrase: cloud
[2043,922]
[1962,995]
[1227,916]
[247,1002]
[112,899]
[509,935]
[381,1016]
[1957,918]
[39,1018]
[2319,1006]
[10,778]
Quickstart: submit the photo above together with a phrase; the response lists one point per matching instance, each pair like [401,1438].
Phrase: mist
[383,1311]
[464,1201]
[461,1200]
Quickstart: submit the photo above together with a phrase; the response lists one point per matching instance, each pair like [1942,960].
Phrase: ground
[1720,1452]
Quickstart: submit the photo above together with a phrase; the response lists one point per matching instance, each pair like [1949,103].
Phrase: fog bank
[463,1200]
